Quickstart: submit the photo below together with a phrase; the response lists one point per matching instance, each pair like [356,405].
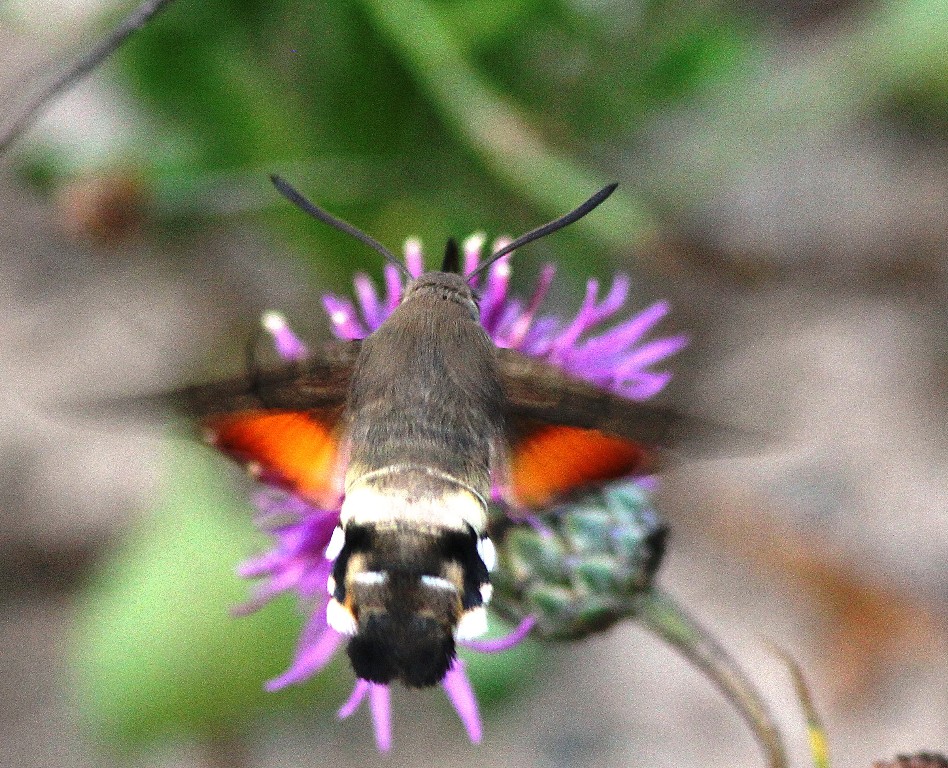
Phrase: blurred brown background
[795,215]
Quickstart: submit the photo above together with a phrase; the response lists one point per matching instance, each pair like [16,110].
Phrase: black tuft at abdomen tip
[415,650]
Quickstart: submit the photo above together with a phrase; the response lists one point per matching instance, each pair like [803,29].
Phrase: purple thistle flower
[614,359]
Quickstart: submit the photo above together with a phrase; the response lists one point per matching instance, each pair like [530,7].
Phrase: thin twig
[82,67]
[668,620]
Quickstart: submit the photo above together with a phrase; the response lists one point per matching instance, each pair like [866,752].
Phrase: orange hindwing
[294,449]
[548,461]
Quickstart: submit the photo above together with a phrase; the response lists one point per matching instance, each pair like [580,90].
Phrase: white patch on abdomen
[451,506]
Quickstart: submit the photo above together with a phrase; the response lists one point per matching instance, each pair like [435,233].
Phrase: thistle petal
[380,701]
[359,692]
[505,643]
[287,343]
[311,656]
[369,301]
[342,316]
[413,258]
[458,688]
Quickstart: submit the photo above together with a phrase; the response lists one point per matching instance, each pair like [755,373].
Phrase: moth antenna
[82,67]
[534,234]
[316,212]
[452,257]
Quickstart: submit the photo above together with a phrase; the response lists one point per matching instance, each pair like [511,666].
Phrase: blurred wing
[566,433]
[282,423]
[318,383]
[541,392]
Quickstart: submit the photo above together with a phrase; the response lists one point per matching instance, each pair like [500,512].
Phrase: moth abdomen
[426,390]
[409,496]
[404,593]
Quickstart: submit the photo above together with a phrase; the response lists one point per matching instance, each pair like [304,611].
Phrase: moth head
[444,285]
[404,596]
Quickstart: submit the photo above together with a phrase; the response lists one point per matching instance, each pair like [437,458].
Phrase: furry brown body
[425,391]
[424,420]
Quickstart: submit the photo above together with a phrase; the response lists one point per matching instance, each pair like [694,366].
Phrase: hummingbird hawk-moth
[413,428]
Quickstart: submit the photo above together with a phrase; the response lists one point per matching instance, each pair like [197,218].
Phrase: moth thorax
[401,495]
[404,594]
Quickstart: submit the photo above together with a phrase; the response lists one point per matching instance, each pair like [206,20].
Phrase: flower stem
[664,617]
[816,731]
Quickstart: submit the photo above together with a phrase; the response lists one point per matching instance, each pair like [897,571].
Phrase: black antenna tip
[535,234]
[286,189]
[600,197]
[282,185]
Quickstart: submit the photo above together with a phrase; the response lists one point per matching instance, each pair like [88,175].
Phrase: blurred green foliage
[438,117]
[421,117]
[156,652]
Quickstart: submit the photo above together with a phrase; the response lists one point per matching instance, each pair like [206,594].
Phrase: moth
[413,427]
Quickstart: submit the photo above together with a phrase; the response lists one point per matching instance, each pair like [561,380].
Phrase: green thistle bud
[584,566]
